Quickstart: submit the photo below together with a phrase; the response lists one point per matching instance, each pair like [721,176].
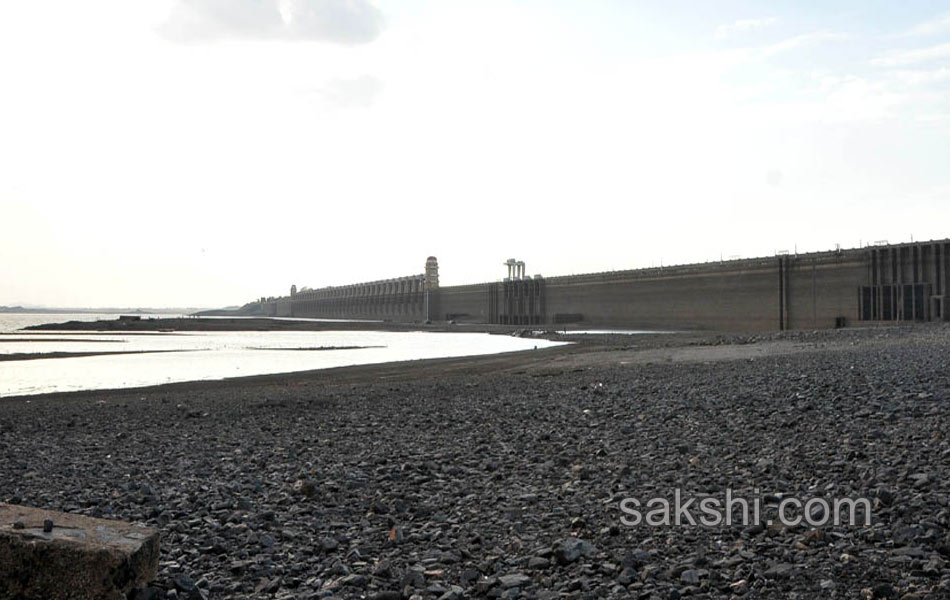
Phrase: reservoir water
[141,359]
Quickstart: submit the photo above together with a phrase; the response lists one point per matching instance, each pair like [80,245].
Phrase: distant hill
[108,310]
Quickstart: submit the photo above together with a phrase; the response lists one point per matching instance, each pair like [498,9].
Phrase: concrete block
[58,556]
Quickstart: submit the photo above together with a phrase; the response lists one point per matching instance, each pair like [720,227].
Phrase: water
[192,356]
[610,332]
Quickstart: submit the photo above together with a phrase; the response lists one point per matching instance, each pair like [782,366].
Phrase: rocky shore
[503,477]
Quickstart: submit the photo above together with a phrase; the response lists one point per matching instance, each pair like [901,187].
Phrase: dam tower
[432,273]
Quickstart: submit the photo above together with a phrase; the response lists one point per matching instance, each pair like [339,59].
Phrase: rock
[468,577]
[329,544]
[383,569]
[486,583]
[739,587]
[885,495]
[536,563]
[755,529]
[570,549]
[453,593]
[934,566]
[780,571]
[883,590]
[396,535]
[627,576]
[912,551]
[354,580]
[514,580]
[186,587]
[412,578]
[690,576]
[305,487]
[80,558]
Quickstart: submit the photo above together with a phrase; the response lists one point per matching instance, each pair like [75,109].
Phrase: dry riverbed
[503,476]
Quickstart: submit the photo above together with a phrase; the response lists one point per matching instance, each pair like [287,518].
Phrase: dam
[883,283]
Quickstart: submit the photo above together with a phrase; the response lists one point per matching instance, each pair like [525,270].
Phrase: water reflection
[173,357]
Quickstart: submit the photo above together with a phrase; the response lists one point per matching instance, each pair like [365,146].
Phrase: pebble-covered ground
[508,483]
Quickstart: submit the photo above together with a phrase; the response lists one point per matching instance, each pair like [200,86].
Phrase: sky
[209,152]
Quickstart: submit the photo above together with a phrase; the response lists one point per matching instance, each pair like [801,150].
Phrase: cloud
[340,21]
[924,77]
[805,39]
[726,31]
[909,57]
[934,26]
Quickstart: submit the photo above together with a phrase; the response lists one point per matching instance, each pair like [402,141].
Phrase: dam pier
[842,287]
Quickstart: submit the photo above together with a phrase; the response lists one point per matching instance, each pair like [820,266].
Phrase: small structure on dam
[880,283]
[518,300]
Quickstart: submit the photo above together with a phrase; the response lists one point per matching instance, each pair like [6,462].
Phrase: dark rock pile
[509,485]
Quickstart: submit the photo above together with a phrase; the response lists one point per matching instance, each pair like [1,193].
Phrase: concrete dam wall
[903,282]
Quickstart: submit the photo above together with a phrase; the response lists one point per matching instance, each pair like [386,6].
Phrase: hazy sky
[207,152]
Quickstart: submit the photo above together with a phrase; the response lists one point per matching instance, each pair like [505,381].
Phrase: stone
[780,571]
[486,583]
[396,535]
[538,562]
[354,580]
[186,587]
[571,549]
[627,576]
[329,544]
[884,590]
[886,495]
[739,587]
[514,580]
[690,576]
[468,577]
[305,487]
[78,558]
[453,593]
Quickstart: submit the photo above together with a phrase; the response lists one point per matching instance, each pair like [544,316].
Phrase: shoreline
[583,351]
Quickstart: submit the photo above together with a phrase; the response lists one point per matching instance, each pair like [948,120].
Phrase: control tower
[432,273]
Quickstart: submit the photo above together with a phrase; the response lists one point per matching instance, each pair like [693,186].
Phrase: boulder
[58,556]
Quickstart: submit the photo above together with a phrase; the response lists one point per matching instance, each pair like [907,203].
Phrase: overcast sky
[207,152]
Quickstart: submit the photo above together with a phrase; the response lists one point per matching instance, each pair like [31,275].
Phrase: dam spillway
[874,284]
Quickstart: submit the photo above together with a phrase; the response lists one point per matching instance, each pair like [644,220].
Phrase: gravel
[508,483]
